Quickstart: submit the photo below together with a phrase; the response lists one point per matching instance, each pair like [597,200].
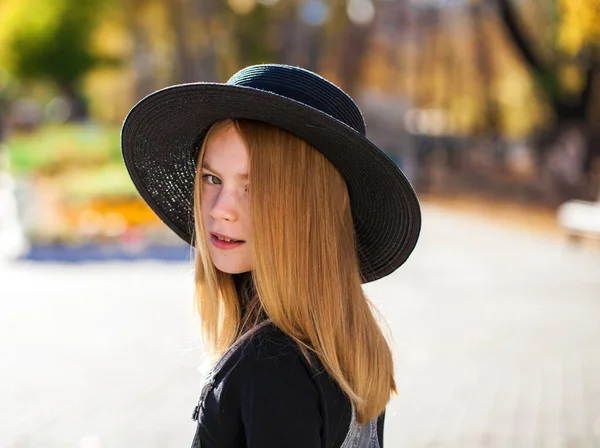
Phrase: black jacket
[265,394]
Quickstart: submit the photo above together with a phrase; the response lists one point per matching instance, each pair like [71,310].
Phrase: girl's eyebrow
[242,176]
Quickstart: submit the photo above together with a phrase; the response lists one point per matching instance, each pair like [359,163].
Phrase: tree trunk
[563,151]
[78,105]
[144,78]
[300,44]
[184,71]
[144,81]
[355,44]
[484,59]
[561,155]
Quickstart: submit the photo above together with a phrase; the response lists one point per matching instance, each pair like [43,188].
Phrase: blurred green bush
[51,149]
[84,160]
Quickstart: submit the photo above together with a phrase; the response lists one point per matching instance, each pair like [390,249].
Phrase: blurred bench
[580,219]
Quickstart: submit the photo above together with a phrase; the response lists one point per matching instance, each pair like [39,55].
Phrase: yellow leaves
[36,15]
[519,109]
[464,113]
[15,14]
[579,24]
[111,39]
[242,7]
[571,78]
[110,93]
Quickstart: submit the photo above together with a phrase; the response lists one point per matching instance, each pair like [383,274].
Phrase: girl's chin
[228,269]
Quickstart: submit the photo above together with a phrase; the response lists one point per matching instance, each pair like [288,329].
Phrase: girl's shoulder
[268,347]
[266,362]
[267,355]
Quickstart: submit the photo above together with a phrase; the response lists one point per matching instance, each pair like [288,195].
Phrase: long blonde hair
[306,271]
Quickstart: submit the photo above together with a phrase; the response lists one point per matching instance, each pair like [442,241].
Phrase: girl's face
[224,207]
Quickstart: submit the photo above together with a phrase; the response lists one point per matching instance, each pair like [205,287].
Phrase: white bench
[580,219]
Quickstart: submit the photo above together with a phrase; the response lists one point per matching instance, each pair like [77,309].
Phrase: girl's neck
[246,292]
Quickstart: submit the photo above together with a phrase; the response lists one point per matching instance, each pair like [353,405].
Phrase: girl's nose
[224,207]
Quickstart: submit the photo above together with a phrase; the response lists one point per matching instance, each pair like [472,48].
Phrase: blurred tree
[567,82]
[483,46]
[213,38]
[353,43]
[4,99]
[144,75]
[53,44]
[252,32]
[301,27]
[195,27]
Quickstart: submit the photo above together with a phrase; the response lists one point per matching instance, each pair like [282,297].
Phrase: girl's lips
[225,237]
[224,244]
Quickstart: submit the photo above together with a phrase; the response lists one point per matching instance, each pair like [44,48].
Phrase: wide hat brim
[162,133]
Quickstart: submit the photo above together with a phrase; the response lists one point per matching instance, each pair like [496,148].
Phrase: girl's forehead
[227,152]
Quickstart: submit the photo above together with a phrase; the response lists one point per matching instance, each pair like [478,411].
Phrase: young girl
[289,208]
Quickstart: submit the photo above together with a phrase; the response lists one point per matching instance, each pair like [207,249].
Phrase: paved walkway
[497,339]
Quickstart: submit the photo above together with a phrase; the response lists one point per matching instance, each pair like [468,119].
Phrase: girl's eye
[210,179]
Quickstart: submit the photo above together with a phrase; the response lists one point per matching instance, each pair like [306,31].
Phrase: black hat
[162,134]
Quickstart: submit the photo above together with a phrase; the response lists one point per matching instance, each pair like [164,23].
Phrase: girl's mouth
[223,243]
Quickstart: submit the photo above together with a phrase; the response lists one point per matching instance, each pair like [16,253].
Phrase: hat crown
[304,86]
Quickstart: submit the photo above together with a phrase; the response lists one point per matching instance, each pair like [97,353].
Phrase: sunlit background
[490,107]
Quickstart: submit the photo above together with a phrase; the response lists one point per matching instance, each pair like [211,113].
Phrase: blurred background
[490,107]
